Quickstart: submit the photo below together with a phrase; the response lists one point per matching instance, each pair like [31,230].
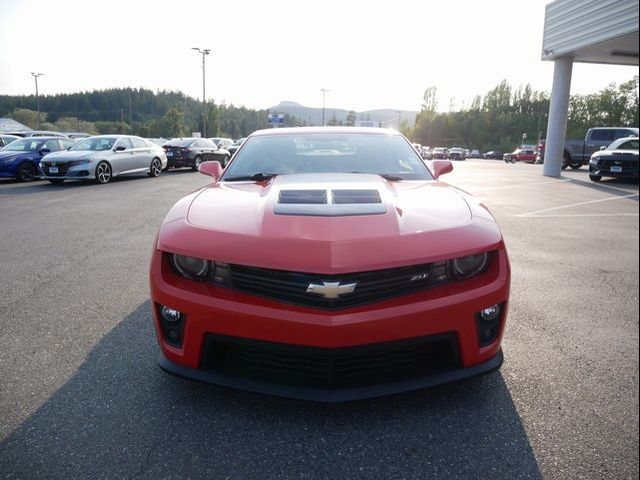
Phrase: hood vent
[355,196]
[303,197]
[329,203]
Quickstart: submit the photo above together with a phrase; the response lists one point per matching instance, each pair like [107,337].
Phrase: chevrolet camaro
[329,264]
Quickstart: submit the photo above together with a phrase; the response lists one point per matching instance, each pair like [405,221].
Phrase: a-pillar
[558,112]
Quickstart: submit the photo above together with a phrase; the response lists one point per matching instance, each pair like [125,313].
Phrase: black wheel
[155,168]
[103,173]
[56,181]
[595,178]
[575,165]
[26,172]
[196,163]
[566,161]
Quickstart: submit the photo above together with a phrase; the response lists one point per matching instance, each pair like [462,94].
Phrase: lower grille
[362,365]
[62,170]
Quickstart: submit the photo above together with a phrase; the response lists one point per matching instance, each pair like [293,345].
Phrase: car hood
[65,155]
[252,223]
[14,155]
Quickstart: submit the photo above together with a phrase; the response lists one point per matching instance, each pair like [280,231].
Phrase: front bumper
[446,311]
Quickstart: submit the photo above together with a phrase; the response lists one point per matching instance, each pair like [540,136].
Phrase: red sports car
[521,155]
[329,264]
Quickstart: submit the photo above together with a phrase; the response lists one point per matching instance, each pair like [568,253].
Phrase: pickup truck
[577,152]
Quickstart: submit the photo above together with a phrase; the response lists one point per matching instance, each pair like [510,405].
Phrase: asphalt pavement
[81,395]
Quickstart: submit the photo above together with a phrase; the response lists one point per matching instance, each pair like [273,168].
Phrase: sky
[368,54]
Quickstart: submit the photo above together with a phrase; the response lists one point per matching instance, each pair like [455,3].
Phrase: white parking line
[520,185]
[535,212]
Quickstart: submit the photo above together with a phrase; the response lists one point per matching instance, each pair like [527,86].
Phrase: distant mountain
[387,118]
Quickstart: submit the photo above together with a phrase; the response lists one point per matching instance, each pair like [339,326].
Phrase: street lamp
[324,92]
[35,76]
[524,137]
[203,52]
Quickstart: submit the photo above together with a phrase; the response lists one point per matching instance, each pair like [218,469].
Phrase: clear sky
[369,54]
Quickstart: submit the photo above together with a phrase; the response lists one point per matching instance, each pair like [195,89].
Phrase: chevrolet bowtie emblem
[331,289]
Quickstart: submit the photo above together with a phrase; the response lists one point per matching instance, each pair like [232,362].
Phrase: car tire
[56,181]
[155,168]
[595,178]
[196,163]
[103,173]
[566,161]
[26,172]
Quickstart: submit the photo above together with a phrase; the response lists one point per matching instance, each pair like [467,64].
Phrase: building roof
[10,125]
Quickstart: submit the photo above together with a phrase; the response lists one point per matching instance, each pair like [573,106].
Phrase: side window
[622,134]
[67,143]
[52,145]
[602,135]
[124,142]
[630,145]
[138,143]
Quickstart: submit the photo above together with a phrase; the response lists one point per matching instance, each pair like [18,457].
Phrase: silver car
[103,157]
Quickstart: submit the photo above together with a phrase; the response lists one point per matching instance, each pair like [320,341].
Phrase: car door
[123,158]
[142,154]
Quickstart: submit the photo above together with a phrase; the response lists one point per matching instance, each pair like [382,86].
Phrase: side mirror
[440,167]
[213,169]
[603,147]
[44,151]
[120,148]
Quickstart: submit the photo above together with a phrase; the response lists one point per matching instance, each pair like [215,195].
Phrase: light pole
[204,53]
[35,76]
[524,137]
[324,92]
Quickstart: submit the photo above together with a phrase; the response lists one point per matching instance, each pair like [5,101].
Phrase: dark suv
[191,152]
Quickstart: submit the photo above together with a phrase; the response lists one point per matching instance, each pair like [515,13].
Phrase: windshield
[24,145]
[95,144]
[391,156]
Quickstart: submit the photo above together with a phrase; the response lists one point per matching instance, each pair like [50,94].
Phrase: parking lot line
[615,197]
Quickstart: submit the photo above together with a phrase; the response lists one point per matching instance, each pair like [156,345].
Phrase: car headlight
[190,267]
[199,269]
[466,267]
[594,159]
[73,163]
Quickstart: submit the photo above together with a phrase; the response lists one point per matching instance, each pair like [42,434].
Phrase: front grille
[370,287]
[63,168]
[361,365]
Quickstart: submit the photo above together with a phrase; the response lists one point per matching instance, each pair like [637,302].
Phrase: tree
[351,119]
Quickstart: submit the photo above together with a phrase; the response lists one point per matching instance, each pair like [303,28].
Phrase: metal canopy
[592,31]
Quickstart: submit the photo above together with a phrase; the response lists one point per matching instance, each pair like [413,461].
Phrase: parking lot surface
[81,395]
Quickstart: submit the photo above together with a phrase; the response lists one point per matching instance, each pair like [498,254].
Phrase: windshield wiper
[256,177]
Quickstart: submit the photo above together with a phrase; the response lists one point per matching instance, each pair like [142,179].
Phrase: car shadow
[14,187]
[622,187]
[120,416]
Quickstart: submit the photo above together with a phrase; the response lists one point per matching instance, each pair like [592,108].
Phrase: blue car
[21,158]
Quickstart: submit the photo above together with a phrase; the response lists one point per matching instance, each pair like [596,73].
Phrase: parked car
[103,157]
[191,152]
[578,152]
[439,153]
[20,158]
[76,135]
[493,155]
[236,145]
[620,159]
[475,153]
[520,155]
[456,153]
[37,133]
[291,274]
[7,139]
[222,142]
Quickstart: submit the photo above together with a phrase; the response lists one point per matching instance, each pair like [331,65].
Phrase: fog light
[170,315]
[490,314]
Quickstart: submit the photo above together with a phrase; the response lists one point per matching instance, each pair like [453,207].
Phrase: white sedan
[103,157]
